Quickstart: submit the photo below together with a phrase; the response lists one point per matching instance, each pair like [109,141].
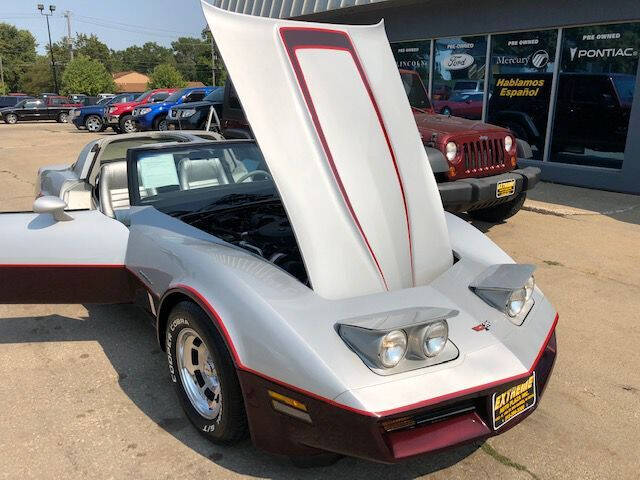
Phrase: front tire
[63,117]
[500,212]
[161,124]
[93,123]
[204,375]
[127,124]
[10,118]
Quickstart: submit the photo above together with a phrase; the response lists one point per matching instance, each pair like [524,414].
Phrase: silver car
[311,292]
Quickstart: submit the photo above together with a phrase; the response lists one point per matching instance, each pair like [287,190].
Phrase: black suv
[195,115]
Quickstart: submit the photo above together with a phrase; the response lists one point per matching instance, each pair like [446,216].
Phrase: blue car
[91,117]
[153,116]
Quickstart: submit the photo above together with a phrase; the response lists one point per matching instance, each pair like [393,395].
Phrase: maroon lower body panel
[65,284]
[339,430]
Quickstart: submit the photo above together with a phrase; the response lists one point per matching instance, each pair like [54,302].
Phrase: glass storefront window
[595,92]
[414,56]
[459,70]
[520,80]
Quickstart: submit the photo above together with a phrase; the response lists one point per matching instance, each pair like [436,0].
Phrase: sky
[118,23]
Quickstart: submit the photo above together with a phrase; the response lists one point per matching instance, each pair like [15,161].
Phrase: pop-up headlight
[402,340]
[508,288]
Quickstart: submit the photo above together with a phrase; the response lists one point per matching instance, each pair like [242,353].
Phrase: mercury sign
[457,61]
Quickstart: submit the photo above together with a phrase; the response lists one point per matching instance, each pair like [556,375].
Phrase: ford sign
[457,61]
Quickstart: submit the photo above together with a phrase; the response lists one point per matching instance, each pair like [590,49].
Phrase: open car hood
[345,152]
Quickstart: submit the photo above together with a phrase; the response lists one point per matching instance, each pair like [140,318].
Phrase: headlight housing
[144,111]
[508,143]
[403,340]
[508,288]
[451,151]
[187,112]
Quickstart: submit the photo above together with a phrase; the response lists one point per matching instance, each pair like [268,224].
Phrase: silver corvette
[311,292]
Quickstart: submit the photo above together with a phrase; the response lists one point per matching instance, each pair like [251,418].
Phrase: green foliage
[166,76]
[3,89]
[141,59]
[18,51]
[37,77]
[87,45]
[86,75]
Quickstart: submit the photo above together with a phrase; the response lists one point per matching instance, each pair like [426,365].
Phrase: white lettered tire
[204,375]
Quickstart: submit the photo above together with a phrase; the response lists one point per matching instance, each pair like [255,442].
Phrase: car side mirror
[53,205]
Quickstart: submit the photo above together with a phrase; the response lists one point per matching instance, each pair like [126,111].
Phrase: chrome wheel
[93,124]
[12,118]
[63,118]
[198,374]
[162,125]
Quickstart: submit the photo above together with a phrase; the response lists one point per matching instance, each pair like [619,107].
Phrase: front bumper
[338,429]
[143,122]
[111,120]
[471,193]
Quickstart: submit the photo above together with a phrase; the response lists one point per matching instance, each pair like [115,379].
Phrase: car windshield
[460,97]
[415,91]
[175,96]
[625,86]
[216,96]
[142,96]
[21,103]
[123,97]
[213,171]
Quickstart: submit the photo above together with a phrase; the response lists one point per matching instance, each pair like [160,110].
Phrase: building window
[458,75]
[594,96]
[414,56]
[520,81]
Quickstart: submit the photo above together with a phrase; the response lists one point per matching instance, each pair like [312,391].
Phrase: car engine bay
[260,227]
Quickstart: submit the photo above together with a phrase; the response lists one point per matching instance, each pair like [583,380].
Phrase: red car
[119,115]
[466,105]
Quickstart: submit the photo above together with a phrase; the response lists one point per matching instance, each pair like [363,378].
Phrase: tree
[3,89]
[18,51]
[221,69]
[142,59]
[86,75]
[166,76]
[193,58]
[37,77]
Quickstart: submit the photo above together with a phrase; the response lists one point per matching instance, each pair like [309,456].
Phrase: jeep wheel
[63,117]
[161,124]
[93,123]
[446,111]
[500,212]
[127,124]
[204,375]
[10,118]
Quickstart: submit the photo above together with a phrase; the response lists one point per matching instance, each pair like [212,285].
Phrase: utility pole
[52,9]
[213,62]
[67,15]
[1,72]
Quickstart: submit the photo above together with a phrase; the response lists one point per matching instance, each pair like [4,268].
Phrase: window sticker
[158,171]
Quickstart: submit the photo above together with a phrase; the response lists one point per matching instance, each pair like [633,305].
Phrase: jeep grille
[484,156]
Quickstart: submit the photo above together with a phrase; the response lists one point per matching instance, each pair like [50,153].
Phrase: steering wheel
[251,174]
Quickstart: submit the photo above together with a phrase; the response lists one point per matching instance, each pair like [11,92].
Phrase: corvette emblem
[483,326]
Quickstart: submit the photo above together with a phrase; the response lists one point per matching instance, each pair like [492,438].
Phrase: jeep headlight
[144,111]
[187,112]
[508,143]
[451,151]
[392,348]
[435,338]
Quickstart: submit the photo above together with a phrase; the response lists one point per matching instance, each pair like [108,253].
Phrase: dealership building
[561,75]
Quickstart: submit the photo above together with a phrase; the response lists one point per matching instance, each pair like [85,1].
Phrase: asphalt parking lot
[84,390]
